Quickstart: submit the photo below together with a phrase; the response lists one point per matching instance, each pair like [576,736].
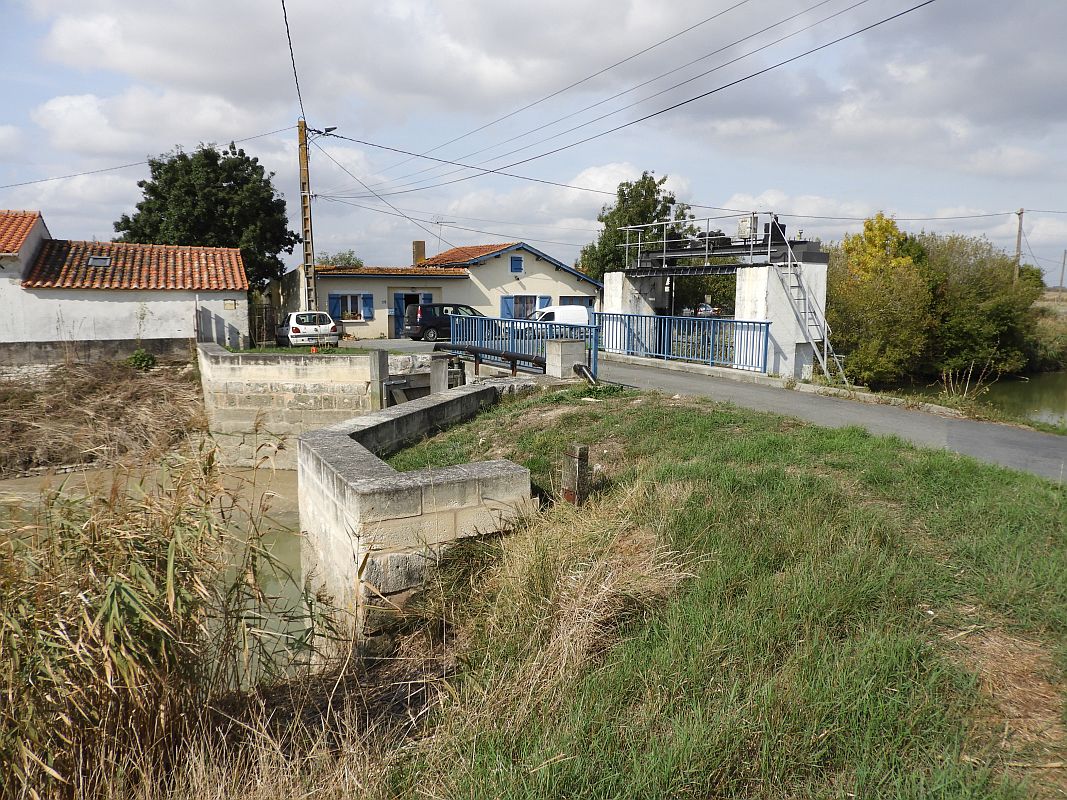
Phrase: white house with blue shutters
[500,280]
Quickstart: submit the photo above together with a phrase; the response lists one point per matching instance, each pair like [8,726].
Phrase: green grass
[808,656]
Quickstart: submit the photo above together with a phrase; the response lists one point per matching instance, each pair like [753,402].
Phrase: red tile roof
[62,264]
[372,272]
[464,255]
[15,226]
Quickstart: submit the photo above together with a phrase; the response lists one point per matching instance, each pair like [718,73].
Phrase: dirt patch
[1016,674]
[95,413]
[1025,692]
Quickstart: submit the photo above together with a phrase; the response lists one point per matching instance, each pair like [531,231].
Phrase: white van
[569,315]
[561,315]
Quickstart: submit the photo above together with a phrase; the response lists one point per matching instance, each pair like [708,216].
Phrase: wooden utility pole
[308,267]
[1018,246]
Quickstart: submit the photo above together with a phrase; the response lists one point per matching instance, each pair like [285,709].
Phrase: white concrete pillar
[561,355]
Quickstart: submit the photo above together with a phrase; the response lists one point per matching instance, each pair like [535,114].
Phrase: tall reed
[125,615]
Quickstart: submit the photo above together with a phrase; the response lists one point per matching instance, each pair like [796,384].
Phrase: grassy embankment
[747,607]
[863,617]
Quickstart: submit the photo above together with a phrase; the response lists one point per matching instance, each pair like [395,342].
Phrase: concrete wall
[762,295]
[258,403]
[72,315]
[369,532]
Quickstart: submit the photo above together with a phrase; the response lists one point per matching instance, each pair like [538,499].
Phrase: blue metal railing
[522,336]
[740,344]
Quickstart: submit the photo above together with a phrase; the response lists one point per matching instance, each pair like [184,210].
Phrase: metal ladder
[812,318]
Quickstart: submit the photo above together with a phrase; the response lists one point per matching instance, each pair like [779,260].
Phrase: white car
[307,327]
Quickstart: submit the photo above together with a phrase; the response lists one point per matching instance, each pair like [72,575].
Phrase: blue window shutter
[368,306]
[516,263]
[567,301]
[427,297]
[334,306]
[507,307]
[544,300]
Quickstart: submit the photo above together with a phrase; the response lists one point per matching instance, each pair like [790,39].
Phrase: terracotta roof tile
[15,226]
[62,264]
[465,255]
[369,272]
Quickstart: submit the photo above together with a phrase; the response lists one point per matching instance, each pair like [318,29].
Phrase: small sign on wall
[229,305]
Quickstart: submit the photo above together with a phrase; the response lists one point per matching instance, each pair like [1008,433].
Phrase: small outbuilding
[66,299]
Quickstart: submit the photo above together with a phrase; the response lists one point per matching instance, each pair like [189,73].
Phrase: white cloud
[11,140]
[140,120]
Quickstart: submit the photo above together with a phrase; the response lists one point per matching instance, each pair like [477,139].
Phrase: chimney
[418,252]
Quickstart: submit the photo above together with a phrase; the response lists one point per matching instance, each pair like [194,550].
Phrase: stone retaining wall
[369,532]
[258,403]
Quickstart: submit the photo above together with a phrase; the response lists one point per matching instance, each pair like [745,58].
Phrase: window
[352,307]
[516,263]
[229,305]
[99,261]
[577,300]
[525,305]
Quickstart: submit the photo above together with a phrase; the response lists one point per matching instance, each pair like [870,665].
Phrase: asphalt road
[1043,454]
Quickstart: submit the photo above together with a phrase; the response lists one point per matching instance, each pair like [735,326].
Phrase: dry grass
[96,413]
[1017,676]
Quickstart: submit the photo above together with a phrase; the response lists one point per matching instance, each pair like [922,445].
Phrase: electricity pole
[308,267]
[1063,268]
[1018,246]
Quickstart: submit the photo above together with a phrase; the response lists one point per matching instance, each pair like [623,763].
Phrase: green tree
[637,202]
[879,302]
[982,315]
[213,198]
[342,258]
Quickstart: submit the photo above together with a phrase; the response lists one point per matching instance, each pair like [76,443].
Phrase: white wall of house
[483,290]
[74,315]
[494,280]
[383,289]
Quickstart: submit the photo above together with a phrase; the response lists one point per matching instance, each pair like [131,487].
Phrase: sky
[955,109]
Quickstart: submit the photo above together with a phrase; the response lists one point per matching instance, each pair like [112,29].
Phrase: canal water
[1041,398]
[272,497]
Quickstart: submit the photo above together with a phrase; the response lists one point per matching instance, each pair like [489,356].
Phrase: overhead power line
[345,169]
[292,58]
[127,166]
[734,211]
[575,84]
[647,98]
[672,107]
[497,234]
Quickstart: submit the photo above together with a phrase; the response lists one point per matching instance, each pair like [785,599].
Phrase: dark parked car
[431,321]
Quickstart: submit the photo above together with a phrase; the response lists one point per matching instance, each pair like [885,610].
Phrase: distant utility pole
[1063,268]
[308,267]
[1018,246]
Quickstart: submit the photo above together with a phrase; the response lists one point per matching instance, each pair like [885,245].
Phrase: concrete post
[576,474]
[379,374]
[438,372]
[561,355]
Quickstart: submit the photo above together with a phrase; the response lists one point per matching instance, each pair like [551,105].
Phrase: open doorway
[400,303]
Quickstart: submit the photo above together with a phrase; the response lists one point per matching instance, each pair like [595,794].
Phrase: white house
[64,299]
[500,280]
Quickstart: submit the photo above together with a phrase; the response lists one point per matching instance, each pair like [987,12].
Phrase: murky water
[1042,398]
[268,497]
